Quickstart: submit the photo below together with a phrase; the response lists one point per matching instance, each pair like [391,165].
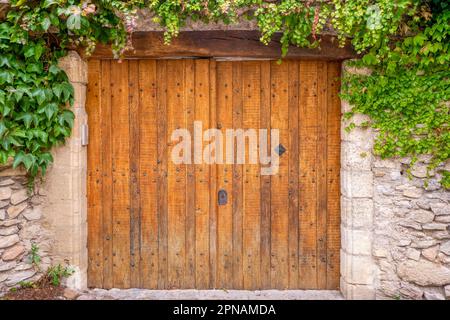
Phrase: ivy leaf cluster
[407,94]
[34,98]
[35,94]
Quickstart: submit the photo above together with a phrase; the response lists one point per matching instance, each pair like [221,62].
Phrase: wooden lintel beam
[224,44]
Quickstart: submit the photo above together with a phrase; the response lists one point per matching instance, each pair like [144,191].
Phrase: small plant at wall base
[405,43]
[35,257]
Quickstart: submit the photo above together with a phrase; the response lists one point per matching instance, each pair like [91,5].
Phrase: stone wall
[411,231]
[54,215]
[21,226]
[395,226]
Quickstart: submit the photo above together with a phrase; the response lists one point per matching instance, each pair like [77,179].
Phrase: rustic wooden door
[155,223]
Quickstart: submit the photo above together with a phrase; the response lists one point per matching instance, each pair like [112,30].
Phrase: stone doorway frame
[66,206]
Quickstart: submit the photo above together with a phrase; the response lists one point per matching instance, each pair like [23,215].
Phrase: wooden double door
[157,223]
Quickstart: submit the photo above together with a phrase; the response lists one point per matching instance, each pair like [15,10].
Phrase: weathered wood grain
[148,174]
[232,43]
[157,224]
[120,174]
[95,178]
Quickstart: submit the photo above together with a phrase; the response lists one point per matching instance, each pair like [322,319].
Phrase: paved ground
[142,294]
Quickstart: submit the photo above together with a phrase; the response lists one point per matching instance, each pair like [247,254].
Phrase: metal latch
[222,197]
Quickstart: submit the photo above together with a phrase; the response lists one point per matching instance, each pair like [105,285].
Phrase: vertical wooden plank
[293,91]
[148,172]
[106,149]
[94,185]
[162,187]
[202,183]
[224,178]
[307,179]
[212,181]
[121,177]
[333,177]
[238,275]
[176,175]
[279,184]
[190,177]
[321,175]
[251,228]
[135,219]
[265,103]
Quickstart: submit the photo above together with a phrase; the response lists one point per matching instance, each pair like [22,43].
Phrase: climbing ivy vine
[405,43]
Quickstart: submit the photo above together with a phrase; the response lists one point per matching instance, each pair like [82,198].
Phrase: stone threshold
[188,294]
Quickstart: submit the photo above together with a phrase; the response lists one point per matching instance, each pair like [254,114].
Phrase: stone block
[421,171]
[431,253]
[9,241]
[387,163]
[13,252]
[447,292]
[357,242]
[413,254]
[421,216]
[357,269]
[17,277]
[14,211]
[79,97]
[354,157]
[357,184]
[424,273]
[10,172]
[356,70]
[345,106]
[410,291]
[435,226]
[33,214]
[413,192]
[8,231]
[357,292]
[360,137]
[433,296]
[75,67]
[5,193]
[19,196]
[7,266]
[440,208]
[362,213]
[445,248]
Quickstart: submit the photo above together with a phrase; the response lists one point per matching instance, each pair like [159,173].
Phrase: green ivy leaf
[48,3]
[4,61]
[39,94]
[54,69]
[66,117]
[3,156]
[27,118]
[6,77]
[49,110]
[28,161]
[29,51]
[46,23]
[34,68]
[18,159]
[3,128]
